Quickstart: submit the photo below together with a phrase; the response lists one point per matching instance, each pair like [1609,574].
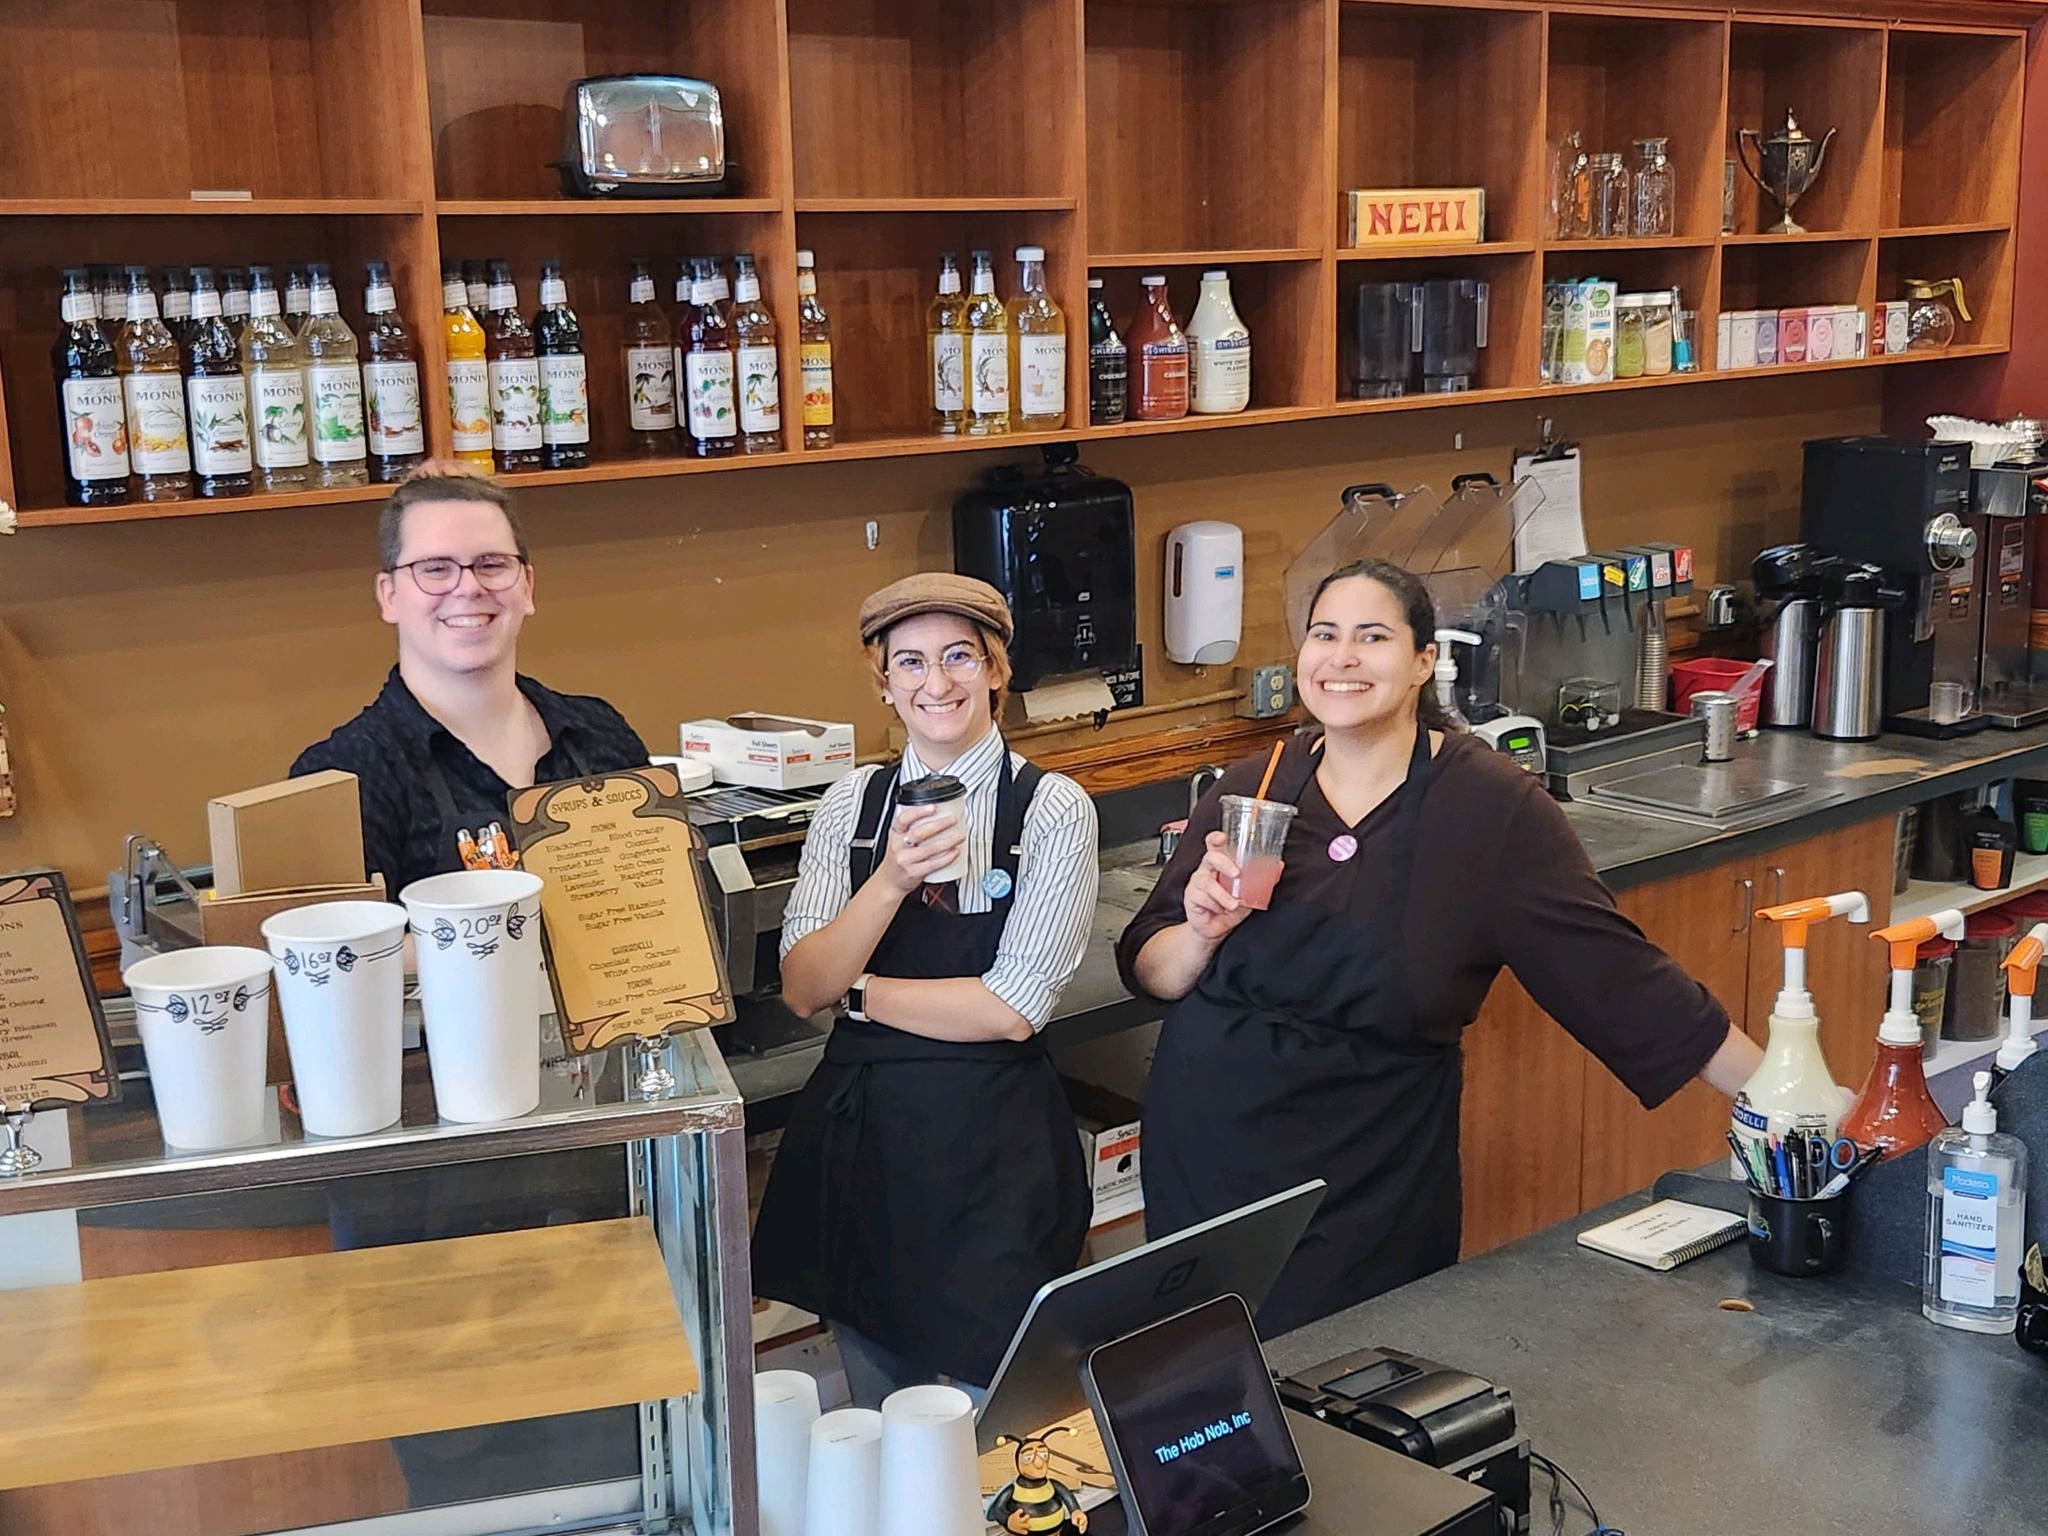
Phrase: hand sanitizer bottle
[1976,1205]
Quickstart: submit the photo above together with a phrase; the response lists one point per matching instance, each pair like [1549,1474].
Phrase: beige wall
[147,666]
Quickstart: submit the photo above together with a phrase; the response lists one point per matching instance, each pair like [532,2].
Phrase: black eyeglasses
[437,575]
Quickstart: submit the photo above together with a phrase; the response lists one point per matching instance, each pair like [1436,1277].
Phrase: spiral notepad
[1664,1235]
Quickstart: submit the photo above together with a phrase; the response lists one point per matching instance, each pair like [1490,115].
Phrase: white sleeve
[1047,934]
[823,882]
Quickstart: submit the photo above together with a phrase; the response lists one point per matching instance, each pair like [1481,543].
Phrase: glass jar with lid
[1610,201]
[1628,335]
[1655,189]
[1659,332]
[1930,318]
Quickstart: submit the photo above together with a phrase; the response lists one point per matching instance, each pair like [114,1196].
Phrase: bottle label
[1969,1237]
[1222,374]
[708,379]
[337,391]
[278,406]
[1042,377]
[515,404]
[74,307]
[391,409]
[157,444]
[564,400]
[817,366]
[219,407]
[651,388]
[1108,379]
[760,390]
[469,404]
[1162,378]
[949,372]
[988,374]
[95,429]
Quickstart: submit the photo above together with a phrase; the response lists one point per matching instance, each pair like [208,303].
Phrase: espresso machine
[1905,508]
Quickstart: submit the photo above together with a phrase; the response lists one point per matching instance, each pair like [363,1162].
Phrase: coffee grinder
[1904,507]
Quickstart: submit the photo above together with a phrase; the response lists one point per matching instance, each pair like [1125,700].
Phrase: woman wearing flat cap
[930,1178]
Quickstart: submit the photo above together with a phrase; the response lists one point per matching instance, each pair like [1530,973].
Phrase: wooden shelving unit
[1123,135]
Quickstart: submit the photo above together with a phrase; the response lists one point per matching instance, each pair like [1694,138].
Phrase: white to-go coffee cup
[946,795]
[341,986]
[204,1018]
[476,938]
[930,1481]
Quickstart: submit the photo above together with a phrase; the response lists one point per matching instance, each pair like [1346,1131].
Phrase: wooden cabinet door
[1522,1118]
[1703,922]
[1845,971]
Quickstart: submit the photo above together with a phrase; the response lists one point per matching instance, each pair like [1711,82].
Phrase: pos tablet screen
[1193,1426]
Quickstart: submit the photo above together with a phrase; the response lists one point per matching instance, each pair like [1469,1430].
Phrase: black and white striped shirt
[1057,873]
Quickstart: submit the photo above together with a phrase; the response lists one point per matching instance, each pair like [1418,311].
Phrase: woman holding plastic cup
[1317,1007]
[930,1178]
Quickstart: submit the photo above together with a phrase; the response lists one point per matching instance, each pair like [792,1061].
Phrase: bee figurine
[1036,1503]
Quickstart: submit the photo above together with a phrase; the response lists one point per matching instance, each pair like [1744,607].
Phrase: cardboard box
[300,832]
[1820,335]
[1589,334]
[1113,1171]
[771,751]
[1392,217]
[1852,334]
[1895,333]
[1742,339]
[1766,337]
[1792,335]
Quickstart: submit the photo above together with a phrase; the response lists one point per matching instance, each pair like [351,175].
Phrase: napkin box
[771,751]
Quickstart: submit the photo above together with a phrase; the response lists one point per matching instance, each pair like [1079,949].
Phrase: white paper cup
[930,1483]
[785,1408]
[845,1488]
[204,1018]
[476,937]
[341,984]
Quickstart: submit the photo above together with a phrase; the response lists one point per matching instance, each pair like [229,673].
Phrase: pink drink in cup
[1255,838]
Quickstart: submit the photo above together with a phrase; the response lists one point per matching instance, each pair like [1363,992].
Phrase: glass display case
[541,1323]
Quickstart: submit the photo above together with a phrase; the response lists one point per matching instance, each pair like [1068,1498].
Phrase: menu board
[626,915]
[53,1038]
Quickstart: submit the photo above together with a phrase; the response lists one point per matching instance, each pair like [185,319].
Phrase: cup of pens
[1799,1189]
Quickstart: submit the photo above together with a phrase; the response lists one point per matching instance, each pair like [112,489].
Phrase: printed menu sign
[53,1037]
[625,913]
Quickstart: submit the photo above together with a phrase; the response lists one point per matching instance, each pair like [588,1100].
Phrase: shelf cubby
[1951,127]
[291,99]
[1279,302]
[1205,127]
[1797,275]
[1640,268]
[896,99]
[34,253]
[1983,261]
[498,71]
[1443,96]
[1830,77]
[878,274]
[1616,78]
[1514,312]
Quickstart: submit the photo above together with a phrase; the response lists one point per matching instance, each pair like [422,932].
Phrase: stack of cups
[204,1018]
[845,1486]
[785,1409]
[341,984]
[930,1482]
[476,936]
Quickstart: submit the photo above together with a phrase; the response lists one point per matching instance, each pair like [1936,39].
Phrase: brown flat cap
[936,592]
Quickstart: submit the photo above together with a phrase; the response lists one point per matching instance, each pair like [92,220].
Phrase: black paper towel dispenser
[1061,548]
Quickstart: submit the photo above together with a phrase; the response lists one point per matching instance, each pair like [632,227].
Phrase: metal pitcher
[1788,164]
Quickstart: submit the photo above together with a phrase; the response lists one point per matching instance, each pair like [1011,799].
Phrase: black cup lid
[932,789]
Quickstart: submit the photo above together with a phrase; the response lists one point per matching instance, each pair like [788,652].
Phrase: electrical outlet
[1265,691]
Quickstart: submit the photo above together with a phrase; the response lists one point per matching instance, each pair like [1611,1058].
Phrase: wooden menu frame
[54,1048]
[626,916]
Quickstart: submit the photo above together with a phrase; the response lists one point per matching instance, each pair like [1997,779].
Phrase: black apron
[1298,1056]
[925,1189]
[448,860]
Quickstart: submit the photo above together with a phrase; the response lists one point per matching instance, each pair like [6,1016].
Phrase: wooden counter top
[173,1369]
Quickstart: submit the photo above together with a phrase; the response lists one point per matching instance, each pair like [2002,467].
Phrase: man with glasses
[930,1178]
[456,728]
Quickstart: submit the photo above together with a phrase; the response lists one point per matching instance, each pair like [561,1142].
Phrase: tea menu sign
[626,914]
[54,1050]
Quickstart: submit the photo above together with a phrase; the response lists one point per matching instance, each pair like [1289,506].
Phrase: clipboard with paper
[1556,530]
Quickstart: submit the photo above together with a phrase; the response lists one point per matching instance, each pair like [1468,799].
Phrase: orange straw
[1271,763]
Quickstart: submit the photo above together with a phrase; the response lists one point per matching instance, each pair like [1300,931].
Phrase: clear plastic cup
[1255,837]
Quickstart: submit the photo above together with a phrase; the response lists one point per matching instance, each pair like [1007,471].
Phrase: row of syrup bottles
[518,391]
[1976,1176]
[220,394]
[993,367]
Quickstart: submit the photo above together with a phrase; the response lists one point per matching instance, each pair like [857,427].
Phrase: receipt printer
[1448,1418]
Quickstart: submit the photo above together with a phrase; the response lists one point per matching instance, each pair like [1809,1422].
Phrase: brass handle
[1778,885]
[1746,889]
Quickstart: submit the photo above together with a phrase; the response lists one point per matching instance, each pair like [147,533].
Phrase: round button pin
[996,884]
[1342,847]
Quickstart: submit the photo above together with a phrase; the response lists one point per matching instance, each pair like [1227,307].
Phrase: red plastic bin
[1709,673]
